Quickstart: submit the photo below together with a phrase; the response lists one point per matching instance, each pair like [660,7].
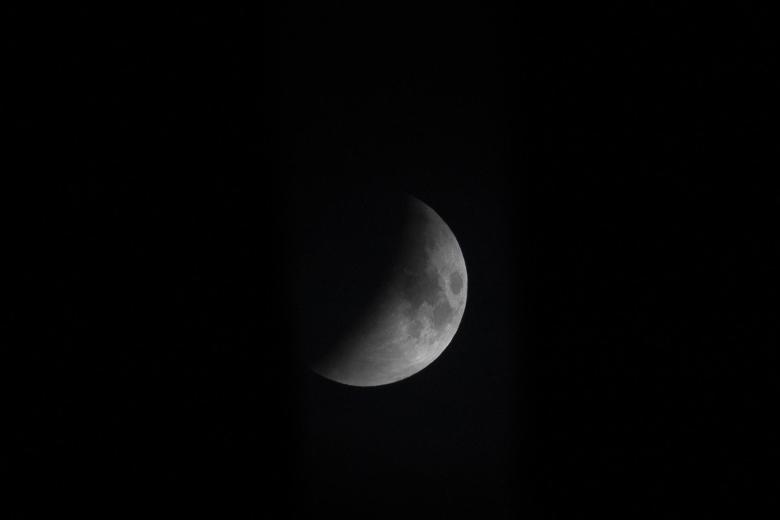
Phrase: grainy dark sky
[413,103]
[606,171]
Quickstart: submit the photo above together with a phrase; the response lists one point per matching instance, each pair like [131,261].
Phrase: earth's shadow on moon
[348,249]
[344,246]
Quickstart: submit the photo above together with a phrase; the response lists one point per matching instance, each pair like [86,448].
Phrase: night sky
[607,173]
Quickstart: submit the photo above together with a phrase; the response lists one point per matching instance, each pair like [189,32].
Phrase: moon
[415,311]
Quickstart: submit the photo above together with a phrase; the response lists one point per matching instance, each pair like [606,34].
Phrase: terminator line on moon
[414,317]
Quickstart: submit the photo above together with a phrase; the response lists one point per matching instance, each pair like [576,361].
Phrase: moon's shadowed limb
[383,294]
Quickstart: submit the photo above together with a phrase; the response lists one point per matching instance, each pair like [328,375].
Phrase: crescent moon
[416,314]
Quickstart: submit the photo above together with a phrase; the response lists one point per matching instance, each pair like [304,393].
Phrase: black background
[607,173]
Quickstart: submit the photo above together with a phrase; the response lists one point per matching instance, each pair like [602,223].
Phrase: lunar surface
[414,313]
